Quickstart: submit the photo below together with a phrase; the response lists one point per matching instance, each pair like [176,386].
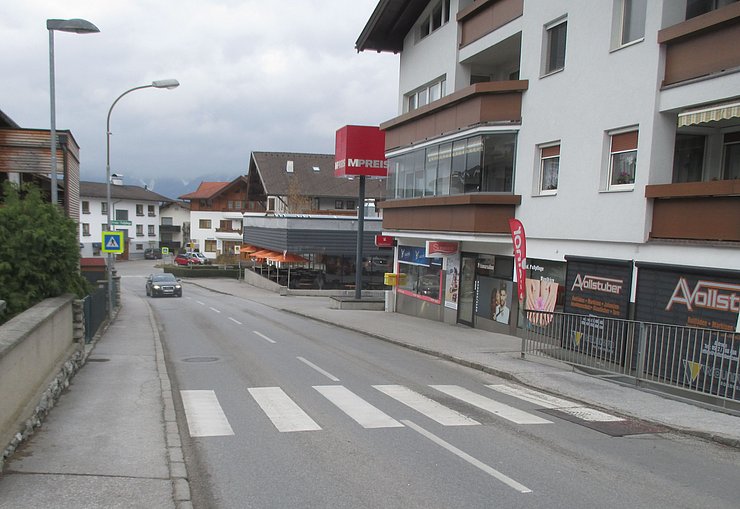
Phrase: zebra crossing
[206,417]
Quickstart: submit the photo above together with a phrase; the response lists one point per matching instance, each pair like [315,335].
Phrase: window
[150,210]
[688,158]
[439,16]
[139,230]
[104,227]
[350,204]
[210,246]
[85,207]
[204,224]
[271,204]
[629,21]
[696,8]
[139,247]
[731,156]
[338,204]
[104,208]
[166,221]
[549,169]
[426,94]
[555,35]
[423,275]
[139,209]
[85,229]
[622,159]
[150,230]
[121,214]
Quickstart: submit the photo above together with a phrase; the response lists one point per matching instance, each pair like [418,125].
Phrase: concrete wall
[34,346]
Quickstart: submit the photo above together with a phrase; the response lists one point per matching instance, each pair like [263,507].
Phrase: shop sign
[416,256]
[384,240]
[519,240]
[440,249]
[598,289]
[704,304]
[360,151]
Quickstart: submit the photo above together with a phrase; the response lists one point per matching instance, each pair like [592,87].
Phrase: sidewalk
[499,354]
[111,441]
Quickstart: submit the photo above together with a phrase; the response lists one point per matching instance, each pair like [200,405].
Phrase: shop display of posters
[452,280]
[545,290]
[702,349]
[494,299]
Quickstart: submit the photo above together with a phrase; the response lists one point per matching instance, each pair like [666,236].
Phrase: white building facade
[609,128]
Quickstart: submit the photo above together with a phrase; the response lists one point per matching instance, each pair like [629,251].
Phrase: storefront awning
[709,114]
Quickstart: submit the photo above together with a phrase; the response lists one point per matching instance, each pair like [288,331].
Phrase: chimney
[289,166]
[116,179]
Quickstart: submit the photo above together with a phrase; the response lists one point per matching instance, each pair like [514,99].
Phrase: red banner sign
[384,241]
[520,256]
[360,151]
[436,249]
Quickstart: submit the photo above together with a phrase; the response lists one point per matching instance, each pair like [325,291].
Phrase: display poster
[702,349]
[599,289]
[452,280]
[493,300]
[545,290]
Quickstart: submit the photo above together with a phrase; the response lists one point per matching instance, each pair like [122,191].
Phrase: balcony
[703,46]
[469,213]
[696,210]
[485,16]
[169,228]
[479,104]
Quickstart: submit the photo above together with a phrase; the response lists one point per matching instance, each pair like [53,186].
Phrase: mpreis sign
[360,151]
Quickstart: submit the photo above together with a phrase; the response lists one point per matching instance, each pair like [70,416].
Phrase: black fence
[96,311]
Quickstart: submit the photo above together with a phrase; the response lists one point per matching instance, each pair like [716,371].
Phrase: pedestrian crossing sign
[112,242]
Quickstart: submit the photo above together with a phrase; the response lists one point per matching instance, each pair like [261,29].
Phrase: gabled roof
[389,23]
[119,192]
[6,121]
[205,191]
[312,176]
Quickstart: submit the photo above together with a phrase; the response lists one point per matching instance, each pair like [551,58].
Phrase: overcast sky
[254,75]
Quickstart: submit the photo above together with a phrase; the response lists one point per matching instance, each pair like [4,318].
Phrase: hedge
[202,271]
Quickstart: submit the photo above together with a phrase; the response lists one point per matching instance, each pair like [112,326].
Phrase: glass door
[466,306]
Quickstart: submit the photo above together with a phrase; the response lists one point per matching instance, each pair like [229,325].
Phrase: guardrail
[702,363]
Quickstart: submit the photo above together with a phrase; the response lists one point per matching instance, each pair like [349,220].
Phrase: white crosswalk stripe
[204,414]
[500,409]
[426,406]
[284,413]
[365,414]
[548,401]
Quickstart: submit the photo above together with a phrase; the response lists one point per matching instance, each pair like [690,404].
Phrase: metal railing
[96,311]
[698,361]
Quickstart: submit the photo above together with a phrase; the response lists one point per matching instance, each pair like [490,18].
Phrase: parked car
[163,284]
[183,259]
[153,254]
[199,258]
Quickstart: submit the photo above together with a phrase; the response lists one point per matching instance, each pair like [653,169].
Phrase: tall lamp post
[168,84]
[78,26]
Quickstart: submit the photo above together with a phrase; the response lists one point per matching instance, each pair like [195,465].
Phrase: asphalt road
[279,411]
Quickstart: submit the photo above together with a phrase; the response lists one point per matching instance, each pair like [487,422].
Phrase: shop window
[622,159]
[423,275]
[555,39]
[549,169]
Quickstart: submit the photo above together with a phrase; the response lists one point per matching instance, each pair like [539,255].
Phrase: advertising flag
[520,256]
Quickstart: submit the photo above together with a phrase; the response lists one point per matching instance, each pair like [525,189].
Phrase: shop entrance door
[466,306]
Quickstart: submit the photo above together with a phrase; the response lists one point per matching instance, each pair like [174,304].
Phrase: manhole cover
[200,359]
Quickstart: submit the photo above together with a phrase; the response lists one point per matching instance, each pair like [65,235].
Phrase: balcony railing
[696,210]
[702,46]
[485,16]
[169,228]
[479,104]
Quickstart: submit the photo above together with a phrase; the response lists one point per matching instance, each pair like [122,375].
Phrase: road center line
[314,366]
[467,457]
[264,337]
[235,321]
[214,309]
[201,303]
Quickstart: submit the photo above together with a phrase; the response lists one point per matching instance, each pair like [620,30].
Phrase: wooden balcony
[702,46]
[479,104]
[696,210]
[485,16]
[469,213]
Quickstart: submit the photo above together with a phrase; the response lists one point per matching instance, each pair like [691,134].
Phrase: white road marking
[505,411]
[426,406]
[235,321]
[467,457]
[357,408]
[204,414]
[284,413]
[264,337]
[201,303]
[552,402]
[214,309]
[314,366]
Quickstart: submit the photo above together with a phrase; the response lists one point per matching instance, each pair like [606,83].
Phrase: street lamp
[168,84]
[78,26]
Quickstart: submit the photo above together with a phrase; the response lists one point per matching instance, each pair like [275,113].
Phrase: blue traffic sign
[112,242]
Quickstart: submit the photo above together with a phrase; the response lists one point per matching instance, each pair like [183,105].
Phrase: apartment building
[609,128]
